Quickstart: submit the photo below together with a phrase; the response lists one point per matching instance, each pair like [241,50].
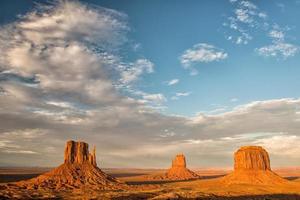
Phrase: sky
[145,80]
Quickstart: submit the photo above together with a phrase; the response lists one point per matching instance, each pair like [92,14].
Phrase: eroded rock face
[78,152]
[179,161]
[178,171]
[252,166]
[251,158]
[79,170]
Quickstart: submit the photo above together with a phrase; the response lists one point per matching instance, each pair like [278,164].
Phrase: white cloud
[156,98]
[19,152]
[276,146]
[201,53]
[133,71]
[25,134]
[246,16]
[276,34]
[173,82]
[183,94]
[167,133]
[278,49]
[75,96]
[180,94]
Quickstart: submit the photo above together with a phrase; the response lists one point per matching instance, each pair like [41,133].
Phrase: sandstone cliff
[252,166]
[78,152]
[79,170]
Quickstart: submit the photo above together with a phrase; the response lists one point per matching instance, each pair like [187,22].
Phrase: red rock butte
[251,158]
[78,152]
[178,170]
[252,166]
[79,170]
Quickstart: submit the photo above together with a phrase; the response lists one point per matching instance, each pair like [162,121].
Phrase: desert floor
[208,187]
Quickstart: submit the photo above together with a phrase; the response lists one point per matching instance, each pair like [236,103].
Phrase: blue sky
[166,29]
[163,30]
[161,76]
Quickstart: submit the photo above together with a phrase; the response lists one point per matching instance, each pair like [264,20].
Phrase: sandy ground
[208,187]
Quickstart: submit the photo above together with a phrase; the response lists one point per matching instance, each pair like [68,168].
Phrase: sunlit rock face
[79,170]
[179,161]
[252,166]
[78,152]
[251,158]
[178,171]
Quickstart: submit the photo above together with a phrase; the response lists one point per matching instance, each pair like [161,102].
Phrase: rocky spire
[92,157]
[179,161]
[78,152]
[178,171]
[78,171]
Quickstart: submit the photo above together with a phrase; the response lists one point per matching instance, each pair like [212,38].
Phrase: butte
[252,166]
[78,171]
[178,170]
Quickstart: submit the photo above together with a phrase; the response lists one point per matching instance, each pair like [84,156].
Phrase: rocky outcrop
[178,170]
[79,170]
[252,166]
[251,158]
[179,161]
[78,152]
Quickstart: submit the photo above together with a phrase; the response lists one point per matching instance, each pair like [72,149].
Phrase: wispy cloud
[246,17]
[279,47]
[234,100]
[131,72]
[173,82]
[201,53]
[167,133]
[157,98]
[180,94]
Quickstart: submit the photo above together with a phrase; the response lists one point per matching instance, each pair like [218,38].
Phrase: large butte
[79,170]
[252,166]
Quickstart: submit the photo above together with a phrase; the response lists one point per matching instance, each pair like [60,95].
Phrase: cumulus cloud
[201,53]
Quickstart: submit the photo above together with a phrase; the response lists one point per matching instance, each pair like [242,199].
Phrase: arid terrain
[79,177]
[204,187]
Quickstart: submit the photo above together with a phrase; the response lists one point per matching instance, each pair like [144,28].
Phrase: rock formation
[79,170]
[252,166]
[179,161]
[178,171]
[251,158]
[78,152]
